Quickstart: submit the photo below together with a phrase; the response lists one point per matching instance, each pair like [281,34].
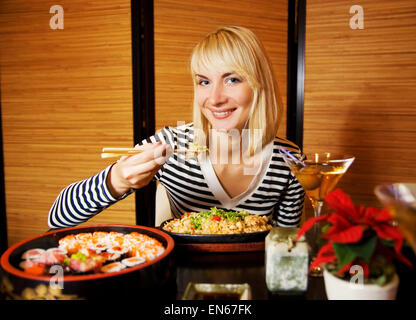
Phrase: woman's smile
[219,115]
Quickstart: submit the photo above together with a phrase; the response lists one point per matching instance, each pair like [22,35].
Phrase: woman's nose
[217,95]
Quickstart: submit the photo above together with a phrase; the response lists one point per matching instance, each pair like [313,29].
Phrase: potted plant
[361,246]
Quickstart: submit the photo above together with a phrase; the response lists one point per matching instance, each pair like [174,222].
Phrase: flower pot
[339,289]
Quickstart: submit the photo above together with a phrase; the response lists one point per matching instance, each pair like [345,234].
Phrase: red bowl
[139,281]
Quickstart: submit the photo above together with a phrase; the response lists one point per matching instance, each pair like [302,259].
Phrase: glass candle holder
[286,261]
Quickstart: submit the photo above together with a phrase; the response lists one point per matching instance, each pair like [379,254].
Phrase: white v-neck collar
[216,188]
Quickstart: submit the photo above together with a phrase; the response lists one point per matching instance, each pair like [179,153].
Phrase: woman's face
[224,98]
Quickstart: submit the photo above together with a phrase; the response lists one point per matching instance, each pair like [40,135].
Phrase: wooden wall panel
[360,93]
[180,24]
[64,95]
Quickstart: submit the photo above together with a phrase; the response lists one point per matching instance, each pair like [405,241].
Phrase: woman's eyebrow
[201,76]
[225,75]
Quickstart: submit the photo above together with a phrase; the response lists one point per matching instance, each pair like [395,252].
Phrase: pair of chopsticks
[118,152]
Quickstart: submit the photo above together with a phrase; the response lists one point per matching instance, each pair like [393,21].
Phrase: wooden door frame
[142,32]
[295,70]
[3,217]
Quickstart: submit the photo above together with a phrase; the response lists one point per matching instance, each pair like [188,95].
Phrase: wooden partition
[65,94]
[180,24]
[360,95]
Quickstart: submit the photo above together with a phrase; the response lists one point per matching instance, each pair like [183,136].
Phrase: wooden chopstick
[118,152]
[123,150]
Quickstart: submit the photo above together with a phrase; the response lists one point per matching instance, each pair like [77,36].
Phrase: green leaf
[325,228]
[381,281]
[365,250]
[343,253]
[347,253]
[387,243]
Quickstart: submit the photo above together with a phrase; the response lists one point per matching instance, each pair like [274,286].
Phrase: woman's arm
[84,199]
[81,200]
[288,210]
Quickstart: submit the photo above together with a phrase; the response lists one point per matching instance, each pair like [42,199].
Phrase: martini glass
[318,174]
[400,200]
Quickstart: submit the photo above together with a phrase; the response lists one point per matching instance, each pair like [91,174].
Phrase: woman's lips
[222,114]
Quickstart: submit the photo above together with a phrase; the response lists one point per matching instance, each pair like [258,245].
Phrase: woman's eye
[203,82]
[233,80]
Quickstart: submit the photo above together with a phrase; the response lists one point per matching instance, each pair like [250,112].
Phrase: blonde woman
[237,110]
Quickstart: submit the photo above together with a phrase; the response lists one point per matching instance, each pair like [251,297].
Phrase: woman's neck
[228,147]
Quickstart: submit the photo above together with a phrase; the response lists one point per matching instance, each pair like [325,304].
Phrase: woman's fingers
[137,170]
[151,152]
[145,167]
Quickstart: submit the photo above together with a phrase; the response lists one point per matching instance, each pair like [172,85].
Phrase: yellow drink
[318,179]
[400,200]
[406,221]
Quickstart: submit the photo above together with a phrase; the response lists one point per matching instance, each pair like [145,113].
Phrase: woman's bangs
[214,54]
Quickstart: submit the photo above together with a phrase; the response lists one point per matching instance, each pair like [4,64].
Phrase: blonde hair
[239,49]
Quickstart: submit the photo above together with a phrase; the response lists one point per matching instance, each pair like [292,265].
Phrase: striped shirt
[193,186]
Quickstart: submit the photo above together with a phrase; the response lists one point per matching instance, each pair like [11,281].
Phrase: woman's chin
[225,129]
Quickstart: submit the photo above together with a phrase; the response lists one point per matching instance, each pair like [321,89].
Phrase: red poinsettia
[356,236]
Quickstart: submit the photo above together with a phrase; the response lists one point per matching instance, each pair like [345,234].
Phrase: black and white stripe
[279,193]
[80,201]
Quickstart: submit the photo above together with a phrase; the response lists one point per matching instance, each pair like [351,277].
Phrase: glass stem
[317,209]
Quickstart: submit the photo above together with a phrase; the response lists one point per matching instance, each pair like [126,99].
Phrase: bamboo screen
[360,90]
[65,94]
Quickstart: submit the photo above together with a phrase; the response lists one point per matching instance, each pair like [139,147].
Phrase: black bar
[295,70]
[143,96]
[3,217]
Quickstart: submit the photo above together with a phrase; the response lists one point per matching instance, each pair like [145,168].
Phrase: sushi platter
[88,262]
[92,253]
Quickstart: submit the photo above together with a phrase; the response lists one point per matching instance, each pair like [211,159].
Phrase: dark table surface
[248,267]
[234,268]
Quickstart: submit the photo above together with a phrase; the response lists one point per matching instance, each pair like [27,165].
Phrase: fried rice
[218,221]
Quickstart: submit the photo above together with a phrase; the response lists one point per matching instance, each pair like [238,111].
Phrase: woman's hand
[136,171]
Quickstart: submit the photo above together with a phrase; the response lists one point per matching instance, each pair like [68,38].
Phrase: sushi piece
[118,249]
[99,247]
[69,243]
[99,237]
[57,249]
[159,251]
[37,269]
[84,237]
[113,267]
[25,264]
[51,257]
[80,263]
[133,261]
[32,254]
[109,256]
